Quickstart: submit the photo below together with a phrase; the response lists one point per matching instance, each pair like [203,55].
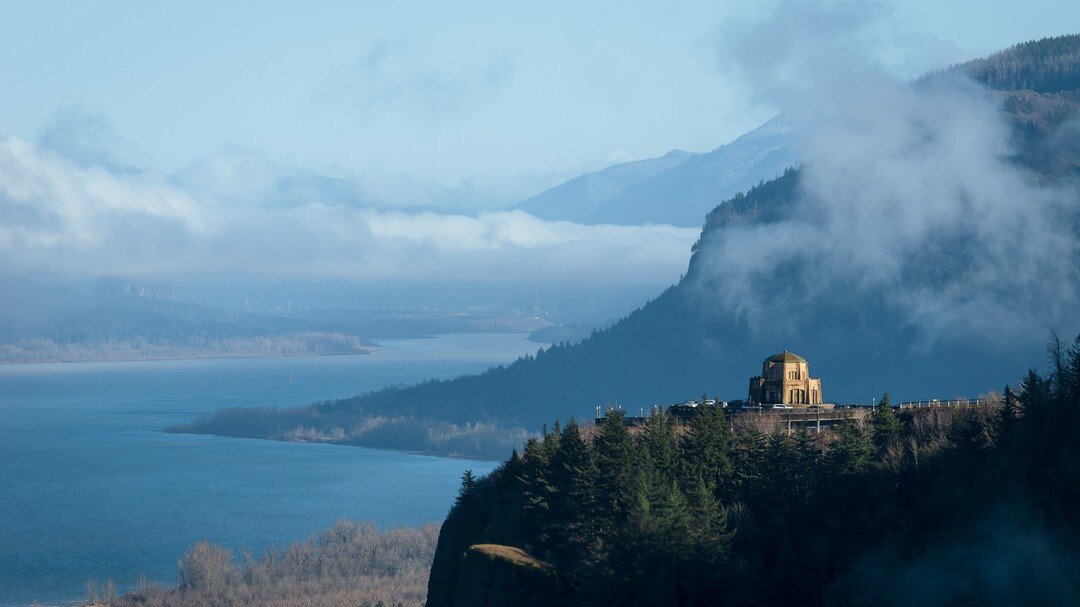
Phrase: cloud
[242,177]
[63,218]
[911,194]
[397,75]
[793,52]
[87,138]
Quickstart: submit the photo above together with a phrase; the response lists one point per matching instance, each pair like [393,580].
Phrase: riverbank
[323,571]
[484,441]
[289,346]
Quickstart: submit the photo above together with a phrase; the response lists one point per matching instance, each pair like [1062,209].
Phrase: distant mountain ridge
[678,188]
[674,347]
[858,339]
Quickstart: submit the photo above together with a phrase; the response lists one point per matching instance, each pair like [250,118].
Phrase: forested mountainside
[860,303]
[125,320]
[678,188]
[1041,66]
[942,506]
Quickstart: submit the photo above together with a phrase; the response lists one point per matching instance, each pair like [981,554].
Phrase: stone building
[785,380]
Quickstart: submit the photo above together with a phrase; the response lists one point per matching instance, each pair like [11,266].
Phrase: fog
[910,191]
[72,211]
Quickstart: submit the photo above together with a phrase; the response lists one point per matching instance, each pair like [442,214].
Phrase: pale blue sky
[440,91]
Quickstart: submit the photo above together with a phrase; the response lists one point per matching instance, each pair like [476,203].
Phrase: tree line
[937,506]
[352,563]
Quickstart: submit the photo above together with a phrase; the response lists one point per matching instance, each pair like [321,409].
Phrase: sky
[189,141]
[434,91]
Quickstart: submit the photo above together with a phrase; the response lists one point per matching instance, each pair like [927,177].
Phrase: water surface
[91,489]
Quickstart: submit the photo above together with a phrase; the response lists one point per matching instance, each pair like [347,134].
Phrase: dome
[785,357]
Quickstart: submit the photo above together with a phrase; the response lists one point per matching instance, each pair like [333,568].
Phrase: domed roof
[785,357]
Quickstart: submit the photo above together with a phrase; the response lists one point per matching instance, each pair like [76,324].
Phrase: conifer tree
[750,461]
[886,425]
[707,449]
[659,445]
[808,458]
[468,486]
[1009,414]
[536,489]
[573,500]
[851,453]
[617,475]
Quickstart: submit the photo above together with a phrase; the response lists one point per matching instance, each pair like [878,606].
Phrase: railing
[952,402]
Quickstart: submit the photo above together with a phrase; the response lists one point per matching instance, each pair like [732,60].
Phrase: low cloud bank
[69,217]
[912,193]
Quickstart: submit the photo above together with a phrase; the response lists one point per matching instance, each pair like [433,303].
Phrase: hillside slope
[678,188]
[861,342]
[930,274]
[577,200]
[935,506]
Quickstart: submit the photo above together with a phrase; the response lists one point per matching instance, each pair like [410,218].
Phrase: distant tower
[785,380]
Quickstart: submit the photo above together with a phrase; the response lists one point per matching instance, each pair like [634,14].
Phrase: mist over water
[93,490]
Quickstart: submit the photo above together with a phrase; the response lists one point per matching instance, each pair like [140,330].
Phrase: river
[91,489]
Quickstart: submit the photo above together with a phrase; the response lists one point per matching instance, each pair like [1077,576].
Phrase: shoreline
[413,451]
[13,363]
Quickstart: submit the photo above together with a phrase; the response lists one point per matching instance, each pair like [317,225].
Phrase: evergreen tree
[618,474]
[1009,414]
[707,450]
[808,464]
[573,474]
[802,510]
[536,489]
[660,447]
[851,453]
[468,487]
[751,463]
[886,426]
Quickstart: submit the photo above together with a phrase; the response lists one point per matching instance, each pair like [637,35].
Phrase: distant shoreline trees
[352,563]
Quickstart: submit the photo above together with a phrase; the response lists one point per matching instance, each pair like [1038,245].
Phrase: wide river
[91,489]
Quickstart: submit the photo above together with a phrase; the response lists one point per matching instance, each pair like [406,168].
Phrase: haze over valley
[456,305]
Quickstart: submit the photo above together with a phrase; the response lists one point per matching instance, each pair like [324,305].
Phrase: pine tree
[618,474]
[573,475]
[782,462]
[750,462]
[808,457]
[707,450]
[1008,416]
[851,453]
[536,489]
[468,487]
[660,447]
[886,426]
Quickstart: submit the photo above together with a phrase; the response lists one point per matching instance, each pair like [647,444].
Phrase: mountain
[861,341]
[925,253]
[677,188]
[578,199]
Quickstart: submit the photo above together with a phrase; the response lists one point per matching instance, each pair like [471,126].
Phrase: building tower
[785,380]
